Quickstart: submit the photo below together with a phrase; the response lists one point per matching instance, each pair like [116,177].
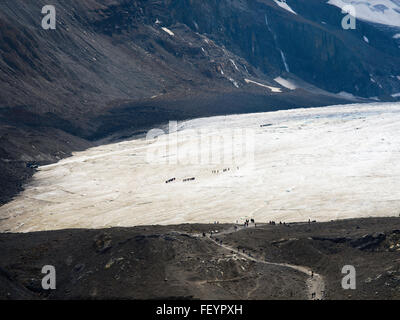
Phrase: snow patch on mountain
[234,82]
[285,6]
[273,89]
[234,64]
[348,96]
[168,31]
[286,83]
[385,12]
[285,61]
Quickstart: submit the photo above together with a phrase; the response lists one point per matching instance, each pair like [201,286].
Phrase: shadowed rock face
[314,44]
[104,51]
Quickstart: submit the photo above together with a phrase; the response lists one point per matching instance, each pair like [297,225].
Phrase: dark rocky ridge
[166,262]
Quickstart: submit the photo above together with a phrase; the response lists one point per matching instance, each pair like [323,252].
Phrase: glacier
[323,164]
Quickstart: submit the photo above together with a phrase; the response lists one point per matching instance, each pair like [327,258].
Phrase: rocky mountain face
[115,65]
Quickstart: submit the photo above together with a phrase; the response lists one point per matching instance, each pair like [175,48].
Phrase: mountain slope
[110,50]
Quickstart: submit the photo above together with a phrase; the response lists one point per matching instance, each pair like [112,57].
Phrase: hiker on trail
[312,274]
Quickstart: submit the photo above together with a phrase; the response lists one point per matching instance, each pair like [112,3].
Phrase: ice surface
[323,163]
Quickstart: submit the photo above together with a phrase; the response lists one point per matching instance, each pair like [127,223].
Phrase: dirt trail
[315,282]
